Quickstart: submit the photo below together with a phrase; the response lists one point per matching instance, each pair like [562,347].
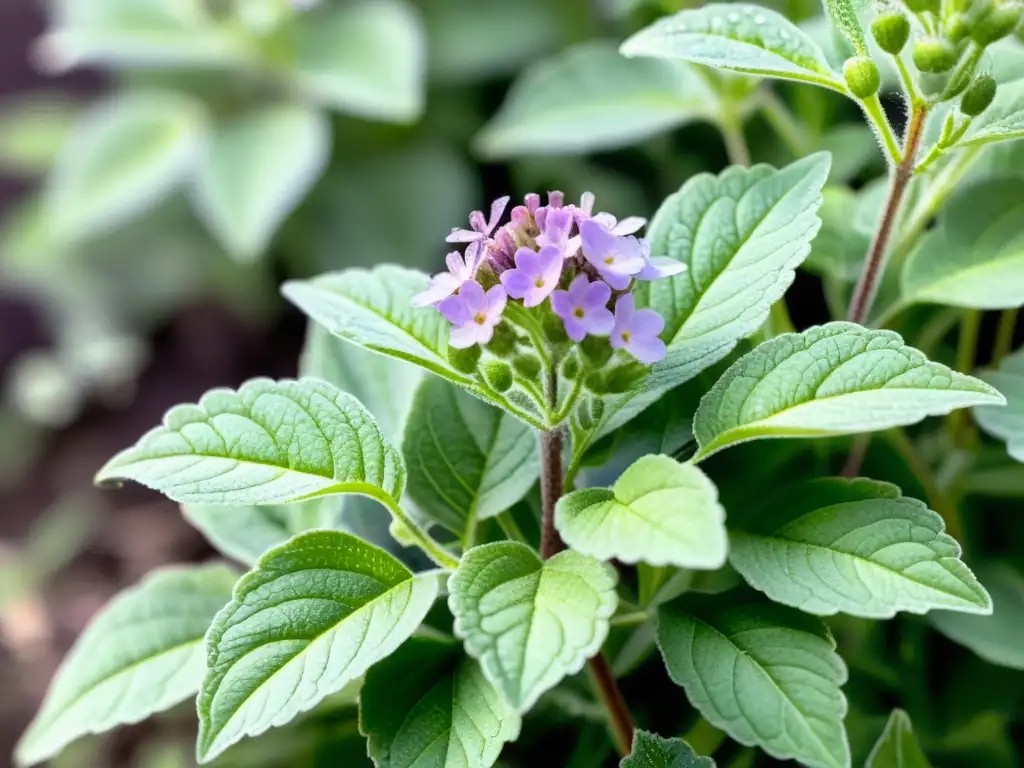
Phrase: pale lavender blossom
[557,225]
[473,313]
[584,308]
[460,269]
[535,275]
[616,258]
[657,267]
[480,228]
[636,331]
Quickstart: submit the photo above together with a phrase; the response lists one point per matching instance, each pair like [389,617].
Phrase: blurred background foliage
[182,157]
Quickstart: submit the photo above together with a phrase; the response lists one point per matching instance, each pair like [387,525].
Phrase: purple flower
[658,267]
[557,225]
[480,229]
[583,308]
[473,313]
[460,269]
[616,258]
[535,275]
[636,331]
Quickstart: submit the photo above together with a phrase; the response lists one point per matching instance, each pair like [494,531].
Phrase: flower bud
[921,6]
[934,54]
[625,378]
[958,26]
[595,382]
[527,366]
[464,360]
[995,23]
[978,96]
[503,342]
[891,31]
[498,376]
[571,367]
[862,76]
[597,350]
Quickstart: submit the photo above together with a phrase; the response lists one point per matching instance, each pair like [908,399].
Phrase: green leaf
[897,747]
[365,59]
[33,128]
[245,533]
[838,250]
[994,638]
[1002,121]
[313,616]
[738,37]
[855,546]
[428,706]
[256,168]
[652,751]
[553,615]
[591,98]
[123,156]
[658,512]
[467,460]
[141,654]
[374,310]
[1006,423]
[765,674]
[975,257]
[268,443]
[833,379]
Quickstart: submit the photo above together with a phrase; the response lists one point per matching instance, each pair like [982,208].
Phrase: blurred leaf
[839,248]
[123,156]
[652,751]
[591,98]
[854,148]
[32,131]
[365,59]
[897,747]
[256,169]
[1006,423]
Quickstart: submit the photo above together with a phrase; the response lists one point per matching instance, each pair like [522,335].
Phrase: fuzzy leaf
[652,751]
[141,654]
[268,443]
[1002,121]
[855,546]
[739,37]
[766,674]
[658,512]
[315,614]
[467,460]
[897,747]
[530,622]
[834,379]
[1006,423]
[591,98]
[428,706]
[256,168]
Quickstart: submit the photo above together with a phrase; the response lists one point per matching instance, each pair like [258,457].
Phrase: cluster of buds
[569,270]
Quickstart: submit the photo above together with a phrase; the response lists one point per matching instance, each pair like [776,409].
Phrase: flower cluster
[582,263]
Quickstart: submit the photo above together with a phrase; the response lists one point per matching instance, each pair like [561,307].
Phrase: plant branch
[735,142]
[1004,335]
[789,131]
[618,713]
[876,116]
[423,540]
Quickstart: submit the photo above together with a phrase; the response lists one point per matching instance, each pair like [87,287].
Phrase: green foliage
[897,747]
[652,751]
[1006,423]
[1003,120]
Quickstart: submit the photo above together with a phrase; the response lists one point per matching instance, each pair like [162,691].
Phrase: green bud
[554,331]
[571,367]
[891,31]
[464,360]
[862,77]
[625,378]
[934,54]
[978,95]
[921,6]
[527,366]
[498,375]
[996,23]
[595,382]
[503,342]
[958,26]
[597,350]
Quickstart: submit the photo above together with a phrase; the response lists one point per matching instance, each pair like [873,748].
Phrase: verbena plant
[562,351]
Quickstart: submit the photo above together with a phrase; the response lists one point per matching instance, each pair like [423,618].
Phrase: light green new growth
[897,747]
[652,751]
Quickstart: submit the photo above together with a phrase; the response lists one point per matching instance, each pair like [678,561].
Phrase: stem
[936,498]
[618,713]
[551,477]
[510,527]
[735,142]
[434,550]
[1004,335]
[874,265]
[876,116]
[789,131]
[909,85]
[966,352]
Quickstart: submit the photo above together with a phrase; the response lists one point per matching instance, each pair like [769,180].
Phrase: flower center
[609,260]
[578,312]
[539,282]
[625,337]
[480,318]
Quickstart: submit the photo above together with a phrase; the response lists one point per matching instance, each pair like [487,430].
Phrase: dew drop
[759,19]
[784,34]
[733,18]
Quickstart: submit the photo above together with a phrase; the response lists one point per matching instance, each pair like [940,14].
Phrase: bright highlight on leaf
[765,674]
[857,547]
[833,379]
[1006,423]
[530,622]
[268,443]
[652,751]
[658,512]
[315,614]
[897,747]
[429,705]
[140,655]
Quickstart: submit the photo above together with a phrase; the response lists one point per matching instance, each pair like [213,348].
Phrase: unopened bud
[922,6]
[996,23]
[571,367]
[527,366]
[978,96]
[503,342]
[597,350]
[464,360]
[934,54]
[862,76]
[958,26]
[625,378]
[891,31]
[498,376]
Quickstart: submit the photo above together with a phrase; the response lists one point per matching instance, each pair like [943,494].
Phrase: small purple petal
[532,202]
[549,259]
[455,310]
[557,224]
[646,349]
[462,236]
[601,321]
[497,209]
[441,286]
[624,309]
[516,282]
[597,295]
[659,267]
[526,260]
[494,302]
[615,280]
[465,336]
[562,303]
[578,317]
[578,289]
[646,322]
[587,203]
[629,225]
[473,294]
[555,199]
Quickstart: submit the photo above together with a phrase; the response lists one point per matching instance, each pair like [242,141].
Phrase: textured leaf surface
[975,257]
[855,546]
[652,751]
[269,442]
[255,170]
[143,653]
[659,512]
[467,460]
[313,616]
[374,310]
[832,379]
[592,98]
[740,37]
[530,623]
[428,706]
[995,638]
[766,674]
[1006,423]
[1003,120]
[897,747]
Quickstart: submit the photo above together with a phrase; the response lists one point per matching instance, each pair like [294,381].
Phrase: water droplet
[784,34]
[733,18]
[759,19]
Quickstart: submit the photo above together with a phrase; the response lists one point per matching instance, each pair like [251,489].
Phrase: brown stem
[618,713]
[874,264]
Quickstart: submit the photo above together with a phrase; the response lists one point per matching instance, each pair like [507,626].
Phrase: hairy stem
[874,264]
[423,540]
[611,697]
